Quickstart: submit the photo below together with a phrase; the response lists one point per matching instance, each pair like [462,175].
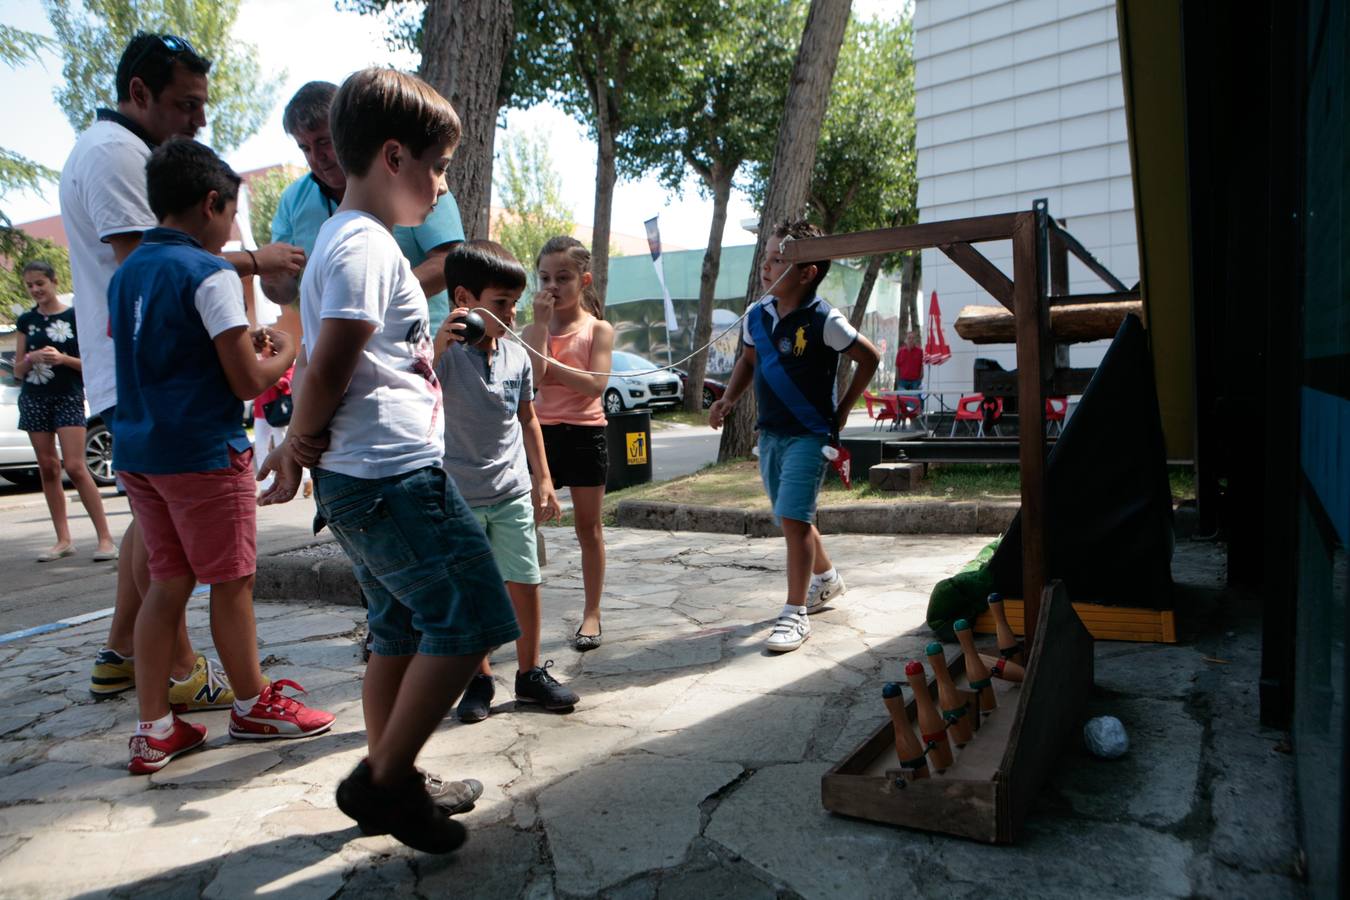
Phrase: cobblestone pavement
[690,769]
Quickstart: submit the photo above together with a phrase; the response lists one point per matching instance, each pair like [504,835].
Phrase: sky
[307,40]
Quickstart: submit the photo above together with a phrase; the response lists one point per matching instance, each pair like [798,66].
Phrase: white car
[18,462]
[629,389]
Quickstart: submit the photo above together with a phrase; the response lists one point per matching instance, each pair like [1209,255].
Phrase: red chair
[970,409]
[907,409]
[886,410]
[1055,408]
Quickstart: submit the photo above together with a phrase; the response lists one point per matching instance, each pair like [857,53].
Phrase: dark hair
[41,266]
[151,57]
[478,265]
[576,252]
[181,172]
[799,229]
[377,105]
[308,109]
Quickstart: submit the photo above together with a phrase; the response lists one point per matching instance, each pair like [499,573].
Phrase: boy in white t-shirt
[368,421]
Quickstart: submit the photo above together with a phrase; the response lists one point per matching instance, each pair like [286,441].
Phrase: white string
[553,362]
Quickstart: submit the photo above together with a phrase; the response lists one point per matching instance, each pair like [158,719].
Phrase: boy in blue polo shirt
[793,340]
[185,360]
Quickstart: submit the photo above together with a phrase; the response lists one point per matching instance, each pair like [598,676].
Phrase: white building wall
[1017,100]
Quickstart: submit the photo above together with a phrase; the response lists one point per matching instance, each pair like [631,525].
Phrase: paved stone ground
[691,768]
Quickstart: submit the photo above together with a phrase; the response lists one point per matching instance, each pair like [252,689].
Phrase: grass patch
[666,417]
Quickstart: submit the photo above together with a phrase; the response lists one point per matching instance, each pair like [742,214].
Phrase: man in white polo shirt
[161,93]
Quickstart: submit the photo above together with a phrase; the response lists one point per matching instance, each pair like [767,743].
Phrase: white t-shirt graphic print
[389,422]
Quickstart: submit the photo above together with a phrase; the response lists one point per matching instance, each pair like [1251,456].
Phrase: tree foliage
[18,172]
[264,193]
[23,248]
[529,191]
[92,34]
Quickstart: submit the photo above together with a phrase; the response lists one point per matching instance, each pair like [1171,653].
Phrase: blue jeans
[793,469]
[422,561]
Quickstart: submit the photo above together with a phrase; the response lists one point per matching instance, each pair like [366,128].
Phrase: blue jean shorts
[793,470]
[422,561]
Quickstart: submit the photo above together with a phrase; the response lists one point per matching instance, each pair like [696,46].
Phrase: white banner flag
[654,242]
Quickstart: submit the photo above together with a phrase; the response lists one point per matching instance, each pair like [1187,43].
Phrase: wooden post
[1059,286]
[1031,312]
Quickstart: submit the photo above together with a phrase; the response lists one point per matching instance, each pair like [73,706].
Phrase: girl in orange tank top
[568,331]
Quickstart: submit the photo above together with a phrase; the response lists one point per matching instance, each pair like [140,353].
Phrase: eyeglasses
[171,42]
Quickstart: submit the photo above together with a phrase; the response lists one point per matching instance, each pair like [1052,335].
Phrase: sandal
[584,642]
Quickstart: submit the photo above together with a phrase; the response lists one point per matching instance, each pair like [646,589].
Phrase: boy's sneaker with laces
[789,633]
[405,812]
[452,797]
[278,716]
[112,674]
[538,686]
[476,704]
[820,592]
[206,688]
[150,754]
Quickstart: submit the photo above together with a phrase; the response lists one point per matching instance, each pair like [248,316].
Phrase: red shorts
[203,524]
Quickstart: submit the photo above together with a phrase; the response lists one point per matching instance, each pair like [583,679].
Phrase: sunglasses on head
[174,44]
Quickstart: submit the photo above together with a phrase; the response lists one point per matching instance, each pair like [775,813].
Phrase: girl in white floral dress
[51,408]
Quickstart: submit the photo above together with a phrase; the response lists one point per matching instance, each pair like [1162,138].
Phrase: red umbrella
[935,349]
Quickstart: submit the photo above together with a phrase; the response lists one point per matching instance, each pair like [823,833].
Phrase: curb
[316,573]
[938,517]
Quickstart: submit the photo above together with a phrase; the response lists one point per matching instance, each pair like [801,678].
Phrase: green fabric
[962,596]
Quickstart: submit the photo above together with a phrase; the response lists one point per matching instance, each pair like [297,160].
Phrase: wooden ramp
[1105,623]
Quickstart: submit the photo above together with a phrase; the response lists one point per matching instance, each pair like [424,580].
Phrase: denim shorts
[510,531]
[793,469]
[422,561]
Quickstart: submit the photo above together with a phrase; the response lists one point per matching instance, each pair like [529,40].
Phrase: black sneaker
[476,703]
[406,812]
[453,797]
[538,686]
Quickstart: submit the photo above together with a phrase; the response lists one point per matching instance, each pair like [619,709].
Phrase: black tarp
[1108,502]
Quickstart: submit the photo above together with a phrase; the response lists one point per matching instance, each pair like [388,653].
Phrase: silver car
[18,461]
[629,388]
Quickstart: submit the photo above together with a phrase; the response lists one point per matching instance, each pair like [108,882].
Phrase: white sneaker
[790,632]
[821,591]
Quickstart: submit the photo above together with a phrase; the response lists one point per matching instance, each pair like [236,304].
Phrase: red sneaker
[150,754]
[277,716]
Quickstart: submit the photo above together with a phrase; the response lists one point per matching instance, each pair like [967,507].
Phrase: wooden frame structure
[988,792]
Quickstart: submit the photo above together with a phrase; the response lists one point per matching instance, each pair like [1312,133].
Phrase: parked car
[627,389]
[18,462]
[712,390]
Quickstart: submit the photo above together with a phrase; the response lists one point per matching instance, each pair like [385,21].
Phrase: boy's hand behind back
[718,412]
[280,463]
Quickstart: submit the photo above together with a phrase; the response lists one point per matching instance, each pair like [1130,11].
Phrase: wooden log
[1068,324]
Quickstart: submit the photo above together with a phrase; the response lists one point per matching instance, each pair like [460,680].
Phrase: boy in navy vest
[368,422]
[792,344]
[185,359]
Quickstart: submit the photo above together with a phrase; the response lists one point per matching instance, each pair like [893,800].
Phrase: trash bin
[628,440]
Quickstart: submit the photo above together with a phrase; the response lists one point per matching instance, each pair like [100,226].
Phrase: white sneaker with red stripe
[277,716]
[150,754]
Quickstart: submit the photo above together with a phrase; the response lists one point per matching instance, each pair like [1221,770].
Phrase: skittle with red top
[1004,668]
[1009,647]
[976,671]
[955,711]
[907,747]
[932,729]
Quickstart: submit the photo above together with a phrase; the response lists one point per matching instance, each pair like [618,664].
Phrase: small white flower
[32,329]
[41,373]
[59,331]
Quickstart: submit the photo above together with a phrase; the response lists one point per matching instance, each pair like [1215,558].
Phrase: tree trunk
[855,318]
[707,286]
[464,47]
[790,177]
[605,176]
[909,313]
[1068,324]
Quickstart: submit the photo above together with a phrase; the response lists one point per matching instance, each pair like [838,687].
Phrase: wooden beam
[982,271]
[1062,383]
[1068,324]
[1031,320]
[1087,259]
[1130,296]
[903,237]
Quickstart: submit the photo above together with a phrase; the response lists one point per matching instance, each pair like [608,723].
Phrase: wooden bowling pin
[907,746]
[976,671]
[932,730]
[1008,645]
[955,712]
[1004,668]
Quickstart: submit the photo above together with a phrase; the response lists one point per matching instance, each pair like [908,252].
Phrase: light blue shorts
[793,470]
[510,530]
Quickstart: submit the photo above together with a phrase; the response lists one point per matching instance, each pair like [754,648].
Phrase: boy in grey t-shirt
[492,446]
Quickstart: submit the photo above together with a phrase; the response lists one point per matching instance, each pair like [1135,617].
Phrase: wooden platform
[990,787]
[1105,623]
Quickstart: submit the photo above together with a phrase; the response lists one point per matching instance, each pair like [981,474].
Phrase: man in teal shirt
[308,202]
